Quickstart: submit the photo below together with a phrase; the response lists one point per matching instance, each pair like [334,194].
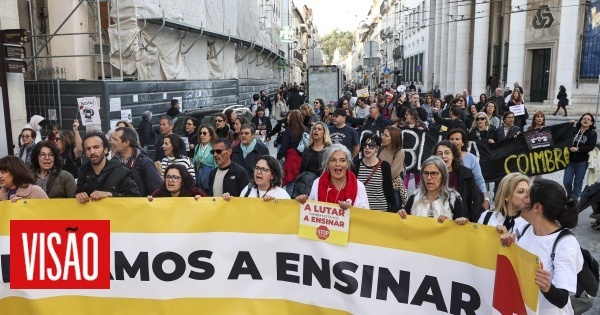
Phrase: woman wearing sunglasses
[265,182]
[481,129]
[222,127]
[178,183]
[376,175]
[435,199]
[204,162]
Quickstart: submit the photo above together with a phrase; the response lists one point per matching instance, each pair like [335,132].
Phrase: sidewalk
[575,111]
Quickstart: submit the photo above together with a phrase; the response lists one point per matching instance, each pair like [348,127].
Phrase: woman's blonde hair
[326,136]
[506,188]
[306,107]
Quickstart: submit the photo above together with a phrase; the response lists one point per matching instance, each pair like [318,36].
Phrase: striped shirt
[185,161]
[374,187]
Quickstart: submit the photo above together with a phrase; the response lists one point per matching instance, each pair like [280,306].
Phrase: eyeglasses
[217,151]
[480,118]
[46,156]
[204,133]
[25,136]
[510,117]
[189,124]
[442,153]
[370,145]
[263,170]
[172,178]
[430,174]
[586,118]
[219,120]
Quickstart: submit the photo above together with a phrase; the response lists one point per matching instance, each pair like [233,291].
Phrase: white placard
[363,92]
[115,104]
[180,99]
[518,110]
[187,143]
[52,114]
[135,98]
[164,96]
[88,109]
[126,115]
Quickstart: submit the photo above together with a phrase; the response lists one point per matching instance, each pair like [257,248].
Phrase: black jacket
[587,144]
[294,101]
[114,178]
[250,161]
[264,121]
[235,180]
[472,197]
[145,175]
[450,123]
[485,135]
[173,111]
[192,139]
[375,125]
[146,133]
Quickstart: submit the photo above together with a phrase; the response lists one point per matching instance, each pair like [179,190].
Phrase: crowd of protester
[349,153]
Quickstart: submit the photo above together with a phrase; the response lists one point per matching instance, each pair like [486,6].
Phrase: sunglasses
[217,151]
[371,145]
[480,118]
[219,120]
[204,133]
[189,124]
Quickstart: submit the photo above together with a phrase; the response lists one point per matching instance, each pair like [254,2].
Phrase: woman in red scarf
[338,184]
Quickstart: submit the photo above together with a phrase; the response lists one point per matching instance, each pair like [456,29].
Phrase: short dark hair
[105,144]
[506,113]
[455,110]
[178,151]
[22,175]
[129,135]
[35,152]
[194,121]
[174,102]
[260,109]
[255,97]
[370,136]
[224,141]
[275,168]
[464,136]
[361,99]
[456,156]
[556,205]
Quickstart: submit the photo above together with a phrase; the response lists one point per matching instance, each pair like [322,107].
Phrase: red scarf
[328,193]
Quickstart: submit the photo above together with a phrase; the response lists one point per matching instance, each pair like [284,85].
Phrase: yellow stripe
[117,306]
[480,244]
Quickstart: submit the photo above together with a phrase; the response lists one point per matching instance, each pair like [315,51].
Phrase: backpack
[303,142]
[587,279]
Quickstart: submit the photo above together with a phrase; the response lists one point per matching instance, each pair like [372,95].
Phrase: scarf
[202,156]
[246,151]
[328,193]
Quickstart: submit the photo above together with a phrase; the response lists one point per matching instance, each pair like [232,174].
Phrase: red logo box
[60,254]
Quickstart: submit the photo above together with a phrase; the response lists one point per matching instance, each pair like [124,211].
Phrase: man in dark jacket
[453,122]
[145,174]
[295,99]
[100,178]
[228,177]
[266,101]
[499,100]
[174,110]
[247,152]
[375,122]
[145,130]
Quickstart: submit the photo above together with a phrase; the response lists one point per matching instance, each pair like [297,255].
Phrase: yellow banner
[255,263]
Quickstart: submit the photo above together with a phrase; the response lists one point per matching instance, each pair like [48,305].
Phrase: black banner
[538,152]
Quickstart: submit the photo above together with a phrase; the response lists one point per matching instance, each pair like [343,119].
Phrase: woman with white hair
[435,199]
[338,184]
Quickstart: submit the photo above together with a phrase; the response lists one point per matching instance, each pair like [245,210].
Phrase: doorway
[540,75]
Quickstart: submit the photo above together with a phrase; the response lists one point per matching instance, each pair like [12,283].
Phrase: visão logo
[60,254]
[543,17]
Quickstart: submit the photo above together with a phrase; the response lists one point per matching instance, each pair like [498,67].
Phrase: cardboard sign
[325,222]
[88,109]
[363,92]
